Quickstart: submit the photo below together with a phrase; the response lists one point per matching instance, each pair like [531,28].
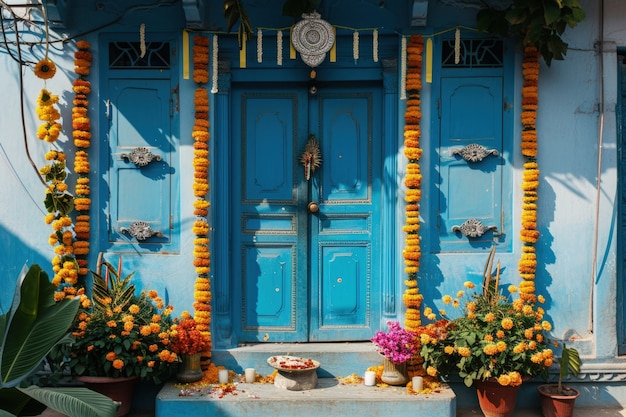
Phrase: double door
[305,232]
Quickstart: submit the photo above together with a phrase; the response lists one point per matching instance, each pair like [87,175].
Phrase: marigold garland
[412,180]
[527,265]
[81,133]
[201,255]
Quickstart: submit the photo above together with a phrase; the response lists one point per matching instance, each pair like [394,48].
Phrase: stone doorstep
[329,398]
[336,359]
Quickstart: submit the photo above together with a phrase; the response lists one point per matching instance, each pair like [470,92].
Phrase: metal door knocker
[311,158]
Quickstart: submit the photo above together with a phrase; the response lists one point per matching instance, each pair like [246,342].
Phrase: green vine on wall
[538,23]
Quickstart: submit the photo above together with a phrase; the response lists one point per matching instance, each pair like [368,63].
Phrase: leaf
[551,11]
[74,402]
[35,325]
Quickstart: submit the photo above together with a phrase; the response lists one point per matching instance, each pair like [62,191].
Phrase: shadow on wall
[14,254]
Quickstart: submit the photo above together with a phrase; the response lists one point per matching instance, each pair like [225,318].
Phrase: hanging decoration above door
[313,37]
[311,157]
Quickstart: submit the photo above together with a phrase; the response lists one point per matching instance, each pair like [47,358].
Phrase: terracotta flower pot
[555,404]
[118,389]
[496,400]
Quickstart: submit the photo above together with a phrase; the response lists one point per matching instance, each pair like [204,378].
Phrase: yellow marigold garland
[200,134]
[412,180]
[529,234]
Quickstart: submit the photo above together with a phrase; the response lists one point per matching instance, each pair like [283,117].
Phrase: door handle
[474,152]
[141,156]
[140,231]
[313,207]
[474,228]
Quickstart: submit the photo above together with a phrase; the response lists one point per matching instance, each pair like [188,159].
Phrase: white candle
[223,376]
[370,378]
[418,383]
[250,375]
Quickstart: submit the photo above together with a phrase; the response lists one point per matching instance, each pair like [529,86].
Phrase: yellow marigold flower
[541,299]
[112,323]
[446,299]
[428,311]
[471,306]
[489,317]
[490,349]
[133,309]
[519,348]
[460,294]
[545,325]
[468,284]
[425,338]
[501,346]
[500,334]
[118,364]
[128,326]
[532,345]
[512,289]
[488,338]
[111,356]
[432,371]
[528,333]
[448,350]
[539,337]
[431,316]
[153,348]
[471,315]
[155,327]
[464,351]
[145,331]
[507,323]
[504,380]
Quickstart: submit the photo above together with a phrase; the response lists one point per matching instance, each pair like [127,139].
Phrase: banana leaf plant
[33,325]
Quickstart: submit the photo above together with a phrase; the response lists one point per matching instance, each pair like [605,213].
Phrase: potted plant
[493,344]
[397,345]
[188,343]
[120,336]
[32,326]
[558,400]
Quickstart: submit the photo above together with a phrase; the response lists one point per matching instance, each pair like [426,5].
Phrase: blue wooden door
[141,174]
[470,162]
[306,275]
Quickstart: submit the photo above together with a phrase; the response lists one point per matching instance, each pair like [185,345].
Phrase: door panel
[471,114]
[265,200]
[304,276]
[140,121]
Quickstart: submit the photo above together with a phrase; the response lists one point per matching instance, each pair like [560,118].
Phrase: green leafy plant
[121,334]
[569,364]
[492,336]
[34,324]
[538,23]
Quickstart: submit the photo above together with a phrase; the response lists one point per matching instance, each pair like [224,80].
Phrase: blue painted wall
[577,157]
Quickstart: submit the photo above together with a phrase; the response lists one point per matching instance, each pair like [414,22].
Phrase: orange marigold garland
[201,254]
[81,132]
[530,177]
[412,116]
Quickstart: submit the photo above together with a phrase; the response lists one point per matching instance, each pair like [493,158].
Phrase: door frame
[386,72]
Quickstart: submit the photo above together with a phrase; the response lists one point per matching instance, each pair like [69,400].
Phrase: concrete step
[329,398]
[336,359]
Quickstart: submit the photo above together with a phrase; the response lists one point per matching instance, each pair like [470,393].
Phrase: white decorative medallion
[312,37]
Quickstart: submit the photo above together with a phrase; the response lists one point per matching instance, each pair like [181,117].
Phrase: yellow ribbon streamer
[429,60]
